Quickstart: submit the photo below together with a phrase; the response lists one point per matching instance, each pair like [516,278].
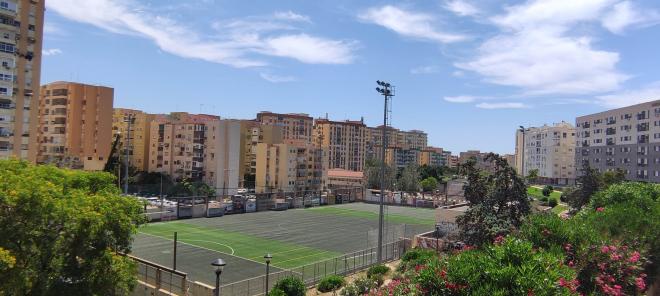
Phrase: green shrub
[510,268]
[377,269]
[276,292]
[291,286]
[377,279]
[543,199]
[552,202]
[415,257]
[331,283]
[547,190]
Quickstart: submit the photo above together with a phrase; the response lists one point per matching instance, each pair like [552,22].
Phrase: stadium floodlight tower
[387,91]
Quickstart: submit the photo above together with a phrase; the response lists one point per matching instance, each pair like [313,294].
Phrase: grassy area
[238,244]
[538,193]
[559,209]
[394,218]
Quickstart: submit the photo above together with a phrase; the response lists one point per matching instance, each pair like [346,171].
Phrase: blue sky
[467,72]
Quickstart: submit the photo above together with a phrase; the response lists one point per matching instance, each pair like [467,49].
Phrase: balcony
[642,176]
[609,153]
[643,127]
[586,125]
[610,131]
[643,139]
[641,164]
[610,142]
[585,143]
[610,163]
[610,122]
[585,152]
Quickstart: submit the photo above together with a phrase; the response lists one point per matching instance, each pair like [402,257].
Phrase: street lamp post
[268,257]
[522,164]
[219,265]
[387,91]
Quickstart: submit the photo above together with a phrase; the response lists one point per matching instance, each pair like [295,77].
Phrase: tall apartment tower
[138,146]
[21,28]
[253,133]
[550,150]
[296,127]
[344,142]
[627,138]
[74,127]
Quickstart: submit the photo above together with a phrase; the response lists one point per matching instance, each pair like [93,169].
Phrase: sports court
[294,237]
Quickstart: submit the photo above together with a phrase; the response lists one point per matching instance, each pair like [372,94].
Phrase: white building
[550,150]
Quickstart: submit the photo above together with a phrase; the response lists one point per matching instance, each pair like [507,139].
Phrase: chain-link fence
[313,273]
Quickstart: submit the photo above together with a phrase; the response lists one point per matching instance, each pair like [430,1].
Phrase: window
[6,47]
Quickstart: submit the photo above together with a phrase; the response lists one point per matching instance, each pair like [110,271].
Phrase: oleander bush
[291,286]
[552,202]
[378,269]
[331,283]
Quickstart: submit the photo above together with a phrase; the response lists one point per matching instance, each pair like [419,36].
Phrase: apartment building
[403,147]
[177,144]
[196,147]
[432,156]
[222,156]
[344,141]
[550,150]
[510,159]
[253,133]
[140,127]
[626,138]
[479,158]
[296,127]
[290,169]
[21,28]
[74,127]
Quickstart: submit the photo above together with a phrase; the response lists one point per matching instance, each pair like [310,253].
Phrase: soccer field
[294,238]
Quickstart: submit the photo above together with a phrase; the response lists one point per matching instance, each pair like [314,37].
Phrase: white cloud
[51,51]
[502,106]
[424,70]
[630,97]
[238,47]
[461,8]
[309,49]
[536,50]
[542,61]
[624,15]
[461,99]
[292,16]
[276,78]
[411,24]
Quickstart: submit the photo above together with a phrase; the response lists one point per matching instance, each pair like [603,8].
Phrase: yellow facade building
[138,148]
[75,125]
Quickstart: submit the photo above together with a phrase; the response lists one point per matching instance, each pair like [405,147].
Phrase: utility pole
[522,164]
[387,91]
[127,160]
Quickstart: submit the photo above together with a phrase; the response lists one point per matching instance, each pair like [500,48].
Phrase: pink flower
[641,285]
[600,209]
[605,249]
[634,257]
[499,240]
[571,264]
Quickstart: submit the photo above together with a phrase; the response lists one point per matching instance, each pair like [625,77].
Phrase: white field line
[205,241]
[196,246]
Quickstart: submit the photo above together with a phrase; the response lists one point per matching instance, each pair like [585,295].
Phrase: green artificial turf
[394,218]
[237,244]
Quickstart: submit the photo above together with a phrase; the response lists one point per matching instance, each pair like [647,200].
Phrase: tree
[589,182]
[613,177]
[532,175]
[498,201]
[547,190]
[62,232]
[408,180]
[372,174]
[429,184]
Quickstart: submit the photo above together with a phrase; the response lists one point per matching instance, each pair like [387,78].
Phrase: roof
[345,173]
